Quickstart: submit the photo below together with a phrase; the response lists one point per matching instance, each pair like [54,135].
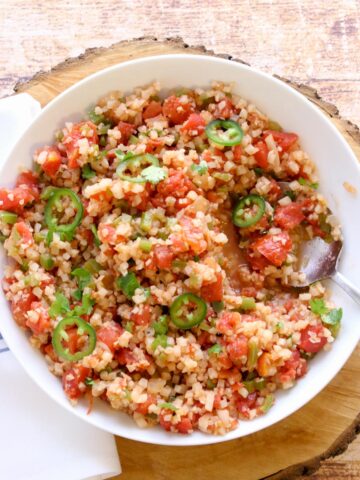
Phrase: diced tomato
[283,139]
[176,111]
[72,379]
[106,233]
[261,156]
[125,356]
[25,234]
[163,256]
[194,125]
[225,108]
[143,408]
[308,336]
[213,292]
[293,368]
[22,305]
[184,426]
[226,363]
[49,350]
[143,316]
[275,191]
[177,185]
[237,151]
[204,340]
[244,405]
[249,291]
[42,324]
[238,350]
[152,110]
[273,247]
[109,334]
[70,141]
[192,236]
[217,401]
[52,162]
[126,130]
[228,321]
[28,179]
[152,145]
[165,424]
[289,216]
[257,262]
[17,199]
[264,365]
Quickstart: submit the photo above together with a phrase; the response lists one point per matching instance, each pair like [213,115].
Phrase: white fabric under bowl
[336,164]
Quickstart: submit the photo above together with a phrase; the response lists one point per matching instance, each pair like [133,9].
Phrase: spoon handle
[347,286]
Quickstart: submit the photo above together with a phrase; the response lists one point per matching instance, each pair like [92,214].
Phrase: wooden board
[295,446]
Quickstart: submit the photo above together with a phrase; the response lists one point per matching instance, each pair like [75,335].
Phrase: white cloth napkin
[39,440]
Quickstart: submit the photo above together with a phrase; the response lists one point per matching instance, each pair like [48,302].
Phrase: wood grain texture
[316,43]
[284,451]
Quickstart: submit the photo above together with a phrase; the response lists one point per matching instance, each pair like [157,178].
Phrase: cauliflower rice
[160,283]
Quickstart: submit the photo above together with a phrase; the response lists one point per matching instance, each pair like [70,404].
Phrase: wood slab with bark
[293,447]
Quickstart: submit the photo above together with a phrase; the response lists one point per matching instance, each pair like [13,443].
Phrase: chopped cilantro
[317,306]
[128,284]
[60,306]
[215,349]
[87,172]
[168,405]
[200,168]
[153,174]
[306,183]
[85,308]
[333,317]
[129,326]
[89,381]
[83,277]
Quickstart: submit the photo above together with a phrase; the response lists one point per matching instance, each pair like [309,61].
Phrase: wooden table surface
[312,42]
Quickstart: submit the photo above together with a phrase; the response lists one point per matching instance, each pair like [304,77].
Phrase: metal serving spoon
[319,260]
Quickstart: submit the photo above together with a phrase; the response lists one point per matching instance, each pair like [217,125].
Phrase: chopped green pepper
[248,211]
[8,217]
[161,326]
[248,303]
[54,202]
[47,262]
[60,335]
[145,245]
[92,266]
[96,236]
[217,306]
[187,311]
[135,165]
[252,354]
[224,132]
[268,403]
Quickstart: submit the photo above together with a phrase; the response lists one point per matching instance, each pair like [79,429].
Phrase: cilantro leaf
[306,183]
[317,306]
[153,174]
[87,172]
[200,168]
[168,405]
[215,349]
[128,284]
[60,306]
[333,317]
[85,308]
[89,381]
[83,277]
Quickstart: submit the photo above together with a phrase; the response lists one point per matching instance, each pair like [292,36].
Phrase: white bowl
[336,164]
